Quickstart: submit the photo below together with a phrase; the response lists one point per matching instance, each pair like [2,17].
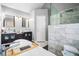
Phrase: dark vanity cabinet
[8,37]
[27,36]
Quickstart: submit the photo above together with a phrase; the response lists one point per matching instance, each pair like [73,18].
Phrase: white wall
[0,24]
[33,24]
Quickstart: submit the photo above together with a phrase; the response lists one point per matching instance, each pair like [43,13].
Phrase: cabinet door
[5,38]
[29,36]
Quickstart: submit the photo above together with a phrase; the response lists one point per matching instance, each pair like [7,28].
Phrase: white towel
[21,43]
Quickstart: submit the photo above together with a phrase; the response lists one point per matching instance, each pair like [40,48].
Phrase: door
[40,28]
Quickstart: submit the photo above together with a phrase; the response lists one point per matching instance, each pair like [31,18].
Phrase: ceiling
[28,7]
[25,7]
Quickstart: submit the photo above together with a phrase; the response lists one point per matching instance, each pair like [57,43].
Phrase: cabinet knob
[29,34]
[25,34]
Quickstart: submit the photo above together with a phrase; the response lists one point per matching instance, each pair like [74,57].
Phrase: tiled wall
[68,16]
[59,35]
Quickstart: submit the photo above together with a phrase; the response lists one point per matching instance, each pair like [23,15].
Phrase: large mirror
[9,21]
[25,22]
